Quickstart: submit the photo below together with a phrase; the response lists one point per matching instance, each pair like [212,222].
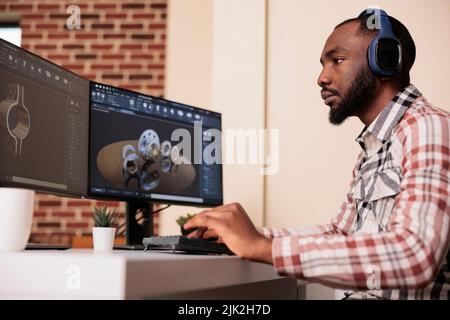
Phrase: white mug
[16,215]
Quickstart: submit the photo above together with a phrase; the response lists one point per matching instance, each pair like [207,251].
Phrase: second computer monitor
[148,148]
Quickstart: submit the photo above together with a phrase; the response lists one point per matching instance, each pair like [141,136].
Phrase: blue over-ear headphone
[384,54]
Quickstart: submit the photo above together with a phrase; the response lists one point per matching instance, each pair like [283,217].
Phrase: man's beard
[356,98]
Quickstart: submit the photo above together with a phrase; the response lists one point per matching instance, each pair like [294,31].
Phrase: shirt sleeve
[409,254]
[340,224]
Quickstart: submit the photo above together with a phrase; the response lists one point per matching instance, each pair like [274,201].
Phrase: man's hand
[232,226]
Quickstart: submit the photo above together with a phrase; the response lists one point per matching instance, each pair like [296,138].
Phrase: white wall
[238,91]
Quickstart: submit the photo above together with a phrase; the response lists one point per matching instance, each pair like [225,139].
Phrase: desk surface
[120,274]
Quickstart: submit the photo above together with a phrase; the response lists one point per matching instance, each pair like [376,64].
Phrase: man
[391,236]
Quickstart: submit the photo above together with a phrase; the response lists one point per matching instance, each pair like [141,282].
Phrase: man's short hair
[402,34]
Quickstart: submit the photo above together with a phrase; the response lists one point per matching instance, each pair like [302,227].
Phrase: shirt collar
[381,128]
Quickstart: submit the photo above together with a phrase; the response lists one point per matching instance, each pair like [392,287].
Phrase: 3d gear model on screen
[145,164]
[14,117]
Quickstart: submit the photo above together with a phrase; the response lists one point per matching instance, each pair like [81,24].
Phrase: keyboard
[185,244]
[45,246]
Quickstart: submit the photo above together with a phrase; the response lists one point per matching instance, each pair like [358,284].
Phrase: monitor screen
[148,148]
[44,124]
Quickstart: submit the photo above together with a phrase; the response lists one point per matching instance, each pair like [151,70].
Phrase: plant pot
[103,238]
[16,215]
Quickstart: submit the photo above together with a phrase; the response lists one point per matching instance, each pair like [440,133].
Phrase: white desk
[85,274]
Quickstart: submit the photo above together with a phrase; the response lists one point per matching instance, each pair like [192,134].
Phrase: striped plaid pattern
[391,236]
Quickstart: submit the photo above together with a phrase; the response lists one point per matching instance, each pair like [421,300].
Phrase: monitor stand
[136,231]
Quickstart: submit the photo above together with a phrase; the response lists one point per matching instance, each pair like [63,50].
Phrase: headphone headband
[384,53]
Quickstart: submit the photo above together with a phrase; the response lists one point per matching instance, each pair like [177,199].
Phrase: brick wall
[121,43]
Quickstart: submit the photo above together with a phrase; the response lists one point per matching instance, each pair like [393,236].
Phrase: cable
[137,220]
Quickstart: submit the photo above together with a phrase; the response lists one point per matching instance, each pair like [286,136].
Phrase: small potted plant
[104,230]
[182,220]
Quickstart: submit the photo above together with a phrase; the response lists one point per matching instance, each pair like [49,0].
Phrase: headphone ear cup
[389,55]
[384,56]
[371,58]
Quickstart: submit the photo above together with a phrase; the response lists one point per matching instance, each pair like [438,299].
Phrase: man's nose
[323,79]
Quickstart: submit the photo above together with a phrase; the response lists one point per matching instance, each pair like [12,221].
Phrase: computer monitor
[44,124]
[145,149]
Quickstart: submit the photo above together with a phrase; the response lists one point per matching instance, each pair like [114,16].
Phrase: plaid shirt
[392,233]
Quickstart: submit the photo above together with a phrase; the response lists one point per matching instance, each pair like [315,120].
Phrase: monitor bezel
[91,195]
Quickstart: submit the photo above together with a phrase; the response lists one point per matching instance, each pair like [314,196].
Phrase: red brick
[90,76]
[89,16]
[31,36]
[25,26]
[131,66]
[73,66]
[145,36]
[158,5]
[45,46]
[101,66]
[107,203]
[104,5]
[131,25]
[20,7]
[161,77]
[58,16]
[78,203]
[77,225]
[113,56]
[49,224]
[47,26]
[115,16]
[156,46]
[140,76]
[142,56]
[114,36]
[101,46]
[49,203]
[112,76]
[156,66]
[58,57]
[43,6]
[32,16]
[102,26]
[70,214]
[73,46]
[127,46]
[155,87]
[133,6]
[86,214]
[135,87]
[86,56]
[143,15]
[58,35]
[63,234]
[86,36]
[39,214]
[157,26]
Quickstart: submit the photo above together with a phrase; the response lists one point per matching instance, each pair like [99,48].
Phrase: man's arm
[410,253]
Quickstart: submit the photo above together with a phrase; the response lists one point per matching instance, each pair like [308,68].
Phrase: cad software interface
[44,122]
[135,149]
